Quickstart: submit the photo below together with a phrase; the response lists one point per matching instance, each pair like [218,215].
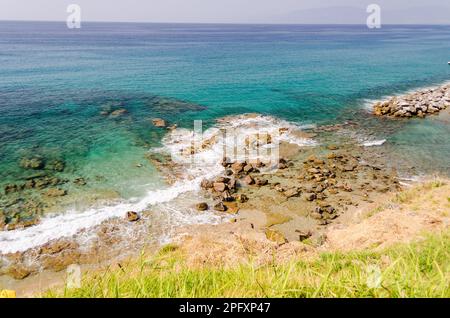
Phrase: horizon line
[226,23]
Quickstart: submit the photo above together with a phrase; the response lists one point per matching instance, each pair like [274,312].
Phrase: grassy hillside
[420,269]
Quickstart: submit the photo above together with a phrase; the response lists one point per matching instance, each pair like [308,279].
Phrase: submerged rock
[55,192]
[34,163]
[159,122]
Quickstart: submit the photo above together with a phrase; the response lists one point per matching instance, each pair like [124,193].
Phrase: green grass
[416,270]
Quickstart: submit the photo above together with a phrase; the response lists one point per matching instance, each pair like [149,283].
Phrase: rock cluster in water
[420,103]
[224,188]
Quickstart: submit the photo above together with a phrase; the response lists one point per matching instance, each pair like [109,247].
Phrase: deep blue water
[54,82]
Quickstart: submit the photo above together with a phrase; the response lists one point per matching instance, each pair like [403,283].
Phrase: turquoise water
[55,82]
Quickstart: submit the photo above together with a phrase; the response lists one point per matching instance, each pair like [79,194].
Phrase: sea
[59,88]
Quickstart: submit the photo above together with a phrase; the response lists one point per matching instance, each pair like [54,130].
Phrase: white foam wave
[372,143]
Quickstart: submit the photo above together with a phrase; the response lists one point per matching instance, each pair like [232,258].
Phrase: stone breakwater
[421,103]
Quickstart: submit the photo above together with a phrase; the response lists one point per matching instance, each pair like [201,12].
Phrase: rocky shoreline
[308,189]
[418,104]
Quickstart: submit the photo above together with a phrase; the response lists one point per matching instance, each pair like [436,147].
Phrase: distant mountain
[358,15]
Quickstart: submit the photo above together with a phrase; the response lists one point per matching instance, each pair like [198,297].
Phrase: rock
[80,181]
[222,179]
[292,192]
[225,162]
[55,192]
[310,196]
[159,122]
[220,207]
[237,167]
[206,184]
[232,184]
[18,272]
[203,206]
[278,187]
[232,207]
[261,182]
[119,112]
[2,221]
[132,216]
[332,147]
[248,168]
[226,196]
[219,186]
[303,235]
[275,236]
[241,198]
[11,188]
[56,165]
[248,180]
[316,215]
[228,172]
[313,171]
[35,163]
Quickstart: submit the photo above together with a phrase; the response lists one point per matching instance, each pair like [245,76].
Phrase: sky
[231,11]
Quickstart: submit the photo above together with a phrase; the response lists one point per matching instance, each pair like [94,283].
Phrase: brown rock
[35,163]
[222,179]
[119,112]
[241,198]
[220,207]
[261,182]
[203,206]
[310,196]
[303,235]
[225,162]
[275,236]
[226,196]
[206,184]
[219,186]
[18,272]
[248,168]
[237,167]
[132,216]
[248,180]
[55,192]
[293,192]
[159,122]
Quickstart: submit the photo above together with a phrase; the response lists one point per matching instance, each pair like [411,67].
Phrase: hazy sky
[230,11]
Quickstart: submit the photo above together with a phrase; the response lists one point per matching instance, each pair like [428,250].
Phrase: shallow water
[55,83]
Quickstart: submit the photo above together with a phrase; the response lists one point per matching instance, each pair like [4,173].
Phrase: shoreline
[59,253]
